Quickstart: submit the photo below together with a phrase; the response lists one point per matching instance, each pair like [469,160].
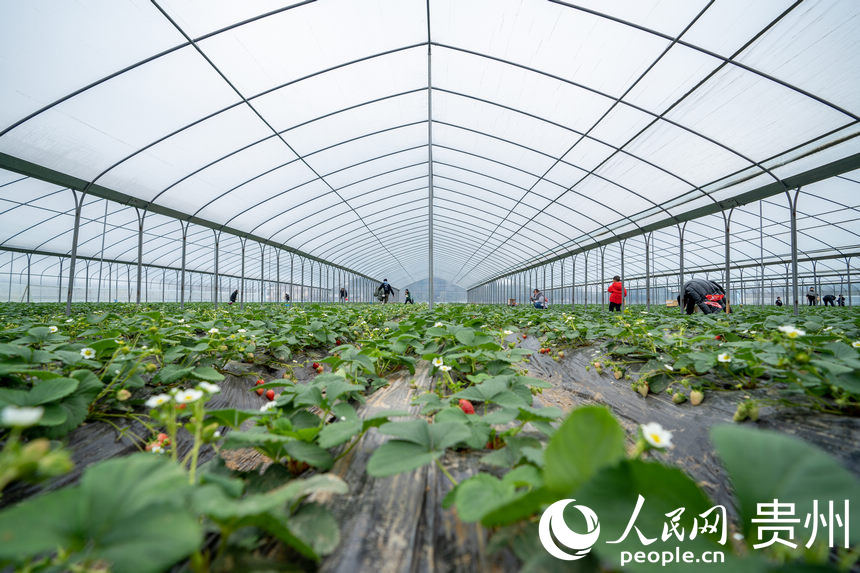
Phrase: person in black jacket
[408,298]
[778,301]
[383,291]
[704,295]
[233,296]
[343,294]
[829,299]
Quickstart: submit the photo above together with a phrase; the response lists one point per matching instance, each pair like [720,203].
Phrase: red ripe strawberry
[270,394]
[260,391]
[524,336]
[718,337]
[337,342]
[320,369]
[180,406]
[161,437]
[466,406]
[315,365]
[260,381]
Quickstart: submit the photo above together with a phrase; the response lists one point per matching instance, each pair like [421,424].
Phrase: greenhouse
[387,285]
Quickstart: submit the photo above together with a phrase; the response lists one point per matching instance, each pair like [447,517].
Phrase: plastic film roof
[541,127]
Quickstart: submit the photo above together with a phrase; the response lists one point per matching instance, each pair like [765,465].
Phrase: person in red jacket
[617,292]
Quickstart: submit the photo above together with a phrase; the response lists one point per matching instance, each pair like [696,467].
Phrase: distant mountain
[443,291]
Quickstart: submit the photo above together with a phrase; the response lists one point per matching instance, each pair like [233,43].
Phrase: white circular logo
[579,543]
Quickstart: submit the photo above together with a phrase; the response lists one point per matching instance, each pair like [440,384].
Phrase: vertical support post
[621,246]
[140,218]
[29,255]
[262,271]
[163,284]
[216,282]
[727,220]
[648,271]
[79,202]
[102,255]
[302,286]
[681,229]
[278,275]
[431,296]
[184,226]
[62,260]
[792,206]
[292,283]
[602,277]
[242,242]
[585,279]
[848,277]
[87,283]
[573,284]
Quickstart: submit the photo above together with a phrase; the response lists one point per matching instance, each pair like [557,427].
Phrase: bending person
[705,296]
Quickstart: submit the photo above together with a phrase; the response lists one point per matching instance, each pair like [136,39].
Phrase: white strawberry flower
[438,325]
[69,320]
[53,329]
[156,449]
[669,367]
[216,434]
[656,435]
[437,362]
[725,357]
[88,353]
[508,332]
[209,388]
[445,368]
[791,331]
[21,417]
[856,344]
[181,320]
[157,400]
[213,330]
[241,331]
[188,396]
[268,406]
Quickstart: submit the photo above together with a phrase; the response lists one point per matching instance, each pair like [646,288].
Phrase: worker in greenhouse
[617,292]
[233,296]
[286,298]
[778,301]
[841,300]
[811,297]
[705,296]
[344,296]
[538,299]
[383,291]
[408,298]
[829,299]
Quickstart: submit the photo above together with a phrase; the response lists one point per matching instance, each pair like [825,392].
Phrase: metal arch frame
[708,52]
[201,231]
[411,190]
[359,249]
[415,147]
[580,138]
[45,174]
[807,177]
[705,239]
[749,69]
[677,101]
[244,99]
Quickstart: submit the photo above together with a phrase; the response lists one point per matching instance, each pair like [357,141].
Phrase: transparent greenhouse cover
[533,129]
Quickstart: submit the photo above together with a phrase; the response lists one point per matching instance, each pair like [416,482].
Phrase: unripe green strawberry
[696,397]
[679,397]
[643,389]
